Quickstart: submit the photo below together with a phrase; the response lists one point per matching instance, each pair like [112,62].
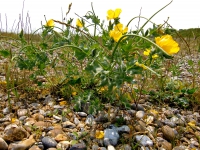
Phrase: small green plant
[97,65]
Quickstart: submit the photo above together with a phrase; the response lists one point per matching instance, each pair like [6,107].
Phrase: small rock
[3,144]
[137,107]
[123,129]
[22,145]
[68,124]
[95,147]
[90,120]
[164,144]
[110,147]
[169,123]
[144,140]
[22,112]
[14,133]
[181,147]
[42,124]
[168,132]
[61,137]
[111,136]
[63,145]
[48,142]
[38,117]
[79,146]
[6,111]
[34,147]
[82,114]
[140,126]
[76,121]
[53,133]
[140,114]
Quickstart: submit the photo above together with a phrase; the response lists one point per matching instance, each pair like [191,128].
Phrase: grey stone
[123,129]
[137,107]
[90,120]
[79,146]
[6,111]
[48,142]
[144,140]
[111,136]
[82,114]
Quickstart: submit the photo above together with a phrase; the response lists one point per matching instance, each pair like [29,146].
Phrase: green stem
[153,16]
[95,26]
[138,17]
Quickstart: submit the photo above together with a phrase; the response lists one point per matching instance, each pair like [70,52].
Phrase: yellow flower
[99,134]
[147,52]
[74,93]
[50,23]
[141,65]
[79,23]
[62,103]
[167,43]
[118,31]
[113,14]
[116,35]
[155,56]
[119,27]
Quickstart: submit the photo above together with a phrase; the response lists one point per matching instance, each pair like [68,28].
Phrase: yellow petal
[62,103]
[147,52]
[74,93]
[117,12]
[125,30]
[110,14]
[155,56]
[167,43]
[79,23]
[50,23]
[99,134]
[192,123]
[116,35]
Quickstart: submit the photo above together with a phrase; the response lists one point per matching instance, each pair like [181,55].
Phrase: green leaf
[191,91]
[5,53]
[80,55]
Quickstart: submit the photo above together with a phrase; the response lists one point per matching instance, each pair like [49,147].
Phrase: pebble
[123,129]
[90,120]
[68,124]
[13,132]
[111,136]
[3,144]
[144,140]
[49,142]
[22,112]
[140,114]
[79,146]
[63,145]
[168,133]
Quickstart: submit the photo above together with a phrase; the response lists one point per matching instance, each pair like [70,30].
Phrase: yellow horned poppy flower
[116,35]
[79,23]
[155,56]
[147,52]
[167,43]
[50,23]
[119,27]
[99,134]
[113,14]
[141,65]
